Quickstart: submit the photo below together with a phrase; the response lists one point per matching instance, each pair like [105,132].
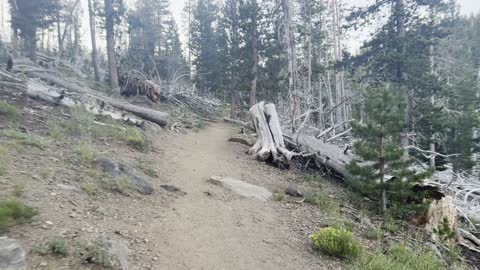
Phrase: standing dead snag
[270,145]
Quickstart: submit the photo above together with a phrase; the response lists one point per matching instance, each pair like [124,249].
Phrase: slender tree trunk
[235,59]
[112,61]
[381,161]
[93,36]
[292,63]
[400,21]
[15,40]
[59,36]
[253,88]
[309,77]
[432,101]
[31,43]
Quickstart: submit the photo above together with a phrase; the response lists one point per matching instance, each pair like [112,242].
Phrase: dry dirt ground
[200,227]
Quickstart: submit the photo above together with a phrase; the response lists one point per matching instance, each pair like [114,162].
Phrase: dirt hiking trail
[211,228]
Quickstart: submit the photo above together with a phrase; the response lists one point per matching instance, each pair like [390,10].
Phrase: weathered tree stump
[270,145]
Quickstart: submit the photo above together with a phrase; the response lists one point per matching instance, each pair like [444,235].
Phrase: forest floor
[48,162]
[88,219]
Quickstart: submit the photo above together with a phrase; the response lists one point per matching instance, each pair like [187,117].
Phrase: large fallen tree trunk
[270,145]
[36,89]
[157,117]
[328,155]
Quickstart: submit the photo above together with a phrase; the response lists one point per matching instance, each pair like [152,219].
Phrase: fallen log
[270,144]
[36,89]
[243,139]
[326,154]
[239,122]
[157,117]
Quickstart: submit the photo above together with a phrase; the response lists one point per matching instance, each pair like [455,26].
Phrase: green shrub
[96,253]
[374,233]
[137,140]
[147,166]
[90,188]
[24,138]
[4,160]
[82,119]
[55,246]
[19,189]
[8,110]
[279,196]
[86,153]
[324,202]
[55,130]
[337,242]
[14,212]
[400,258]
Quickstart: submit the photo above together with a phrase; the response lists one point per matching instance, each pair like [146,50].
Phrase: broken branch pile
[196,104]
[135,83]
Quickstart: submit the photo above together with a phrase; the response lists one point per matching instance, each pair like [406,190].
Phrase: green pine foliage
[378,137]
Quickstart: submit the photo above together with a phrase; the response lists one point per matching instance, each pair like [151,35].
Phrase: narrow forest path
[210,228]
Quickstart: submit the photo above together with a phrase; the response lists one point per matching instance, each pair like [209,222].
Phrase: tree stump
[269,145]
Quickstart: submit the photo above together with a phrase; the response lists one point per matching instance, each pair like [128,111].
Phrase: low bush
[8,110]
[14,212]
[86,153]
[137,139]
[324,202]
[339,243]
[56,246]
[96,253]
[374,233]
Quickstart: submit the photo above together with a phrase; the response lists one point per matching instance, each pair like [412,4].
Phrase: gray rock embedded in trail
[293,191]
[12,255]
[242,188]
[120,172]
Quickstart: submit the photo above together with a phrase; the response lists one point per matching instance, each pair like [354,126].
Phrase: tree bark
[93,36]
[381,162]
[31,43]
[270,144]
[400,22]
[253,88]
[112,61]
[292,62]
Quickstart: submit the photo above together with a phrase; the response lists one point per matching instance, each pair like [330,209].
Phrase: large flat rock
[242,188]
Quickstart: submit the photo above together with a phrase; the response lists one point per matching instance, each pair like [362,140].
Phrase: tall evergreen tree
[206,51]
[399,51]
[30,16]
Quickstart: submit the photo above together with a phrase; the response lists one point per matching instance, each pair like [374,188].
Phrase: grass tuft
[374,233]
[23,138]
[324,202]
[96,253]
[400,258]
[56,246]
[137,140]
[13,212]
[86,154]
[147,166]
[8,110]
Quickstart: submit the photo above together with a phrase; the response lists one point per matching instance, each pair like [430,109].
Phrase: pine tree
[206,48]
[377,143]
[399,51]
[30,16]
